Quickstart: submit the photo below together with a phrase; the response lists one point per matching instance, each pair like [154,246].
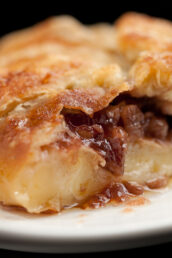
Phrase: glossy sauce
[124,192]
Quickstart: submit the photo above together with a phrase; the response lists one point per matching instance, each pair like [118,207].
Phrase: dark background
[15,15]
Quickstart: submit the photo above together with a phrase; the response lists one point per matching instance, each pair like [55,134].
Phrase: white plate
[110,228]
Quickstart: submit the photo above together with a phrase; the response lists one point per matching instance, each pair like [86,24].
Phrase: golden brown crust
[151,75]
[32,64]
[41,61]
[147,43]
[62,30]
[139,32]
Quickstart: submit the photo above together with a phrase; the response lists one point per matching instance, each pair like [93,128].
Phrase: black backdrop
[15,14]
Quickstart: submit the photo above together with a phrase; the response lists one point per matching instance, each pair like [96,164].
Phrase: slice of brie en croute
[84,108]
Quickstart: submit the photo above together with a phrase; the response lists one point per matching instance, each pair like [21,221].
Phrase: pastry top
[60,55]
[89,65]
[146,42]
[140,32]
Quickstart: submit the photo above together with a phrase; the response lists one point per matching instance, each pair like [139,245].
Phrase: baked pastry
[84,111]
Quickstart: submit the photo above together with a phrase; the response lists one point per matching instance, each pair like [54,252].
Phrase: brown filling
[108,130]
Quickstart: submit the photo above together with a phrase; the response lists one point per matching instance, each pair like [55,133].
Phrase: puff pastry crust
[116,78]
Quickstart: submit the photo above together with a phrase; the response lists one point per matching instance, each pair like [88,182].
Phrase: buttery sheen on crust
[60,65]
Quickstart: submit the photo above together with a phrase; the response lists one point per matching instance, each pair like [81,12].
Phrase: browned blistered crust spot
[46,112]
[17,84]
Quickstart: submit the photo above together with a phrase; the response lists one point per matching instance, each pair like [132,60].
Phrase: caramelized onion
[155,127]
[133,120]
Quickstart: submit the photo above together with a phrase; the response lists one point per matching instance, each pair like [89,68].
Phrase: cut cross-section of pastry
[78,118]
